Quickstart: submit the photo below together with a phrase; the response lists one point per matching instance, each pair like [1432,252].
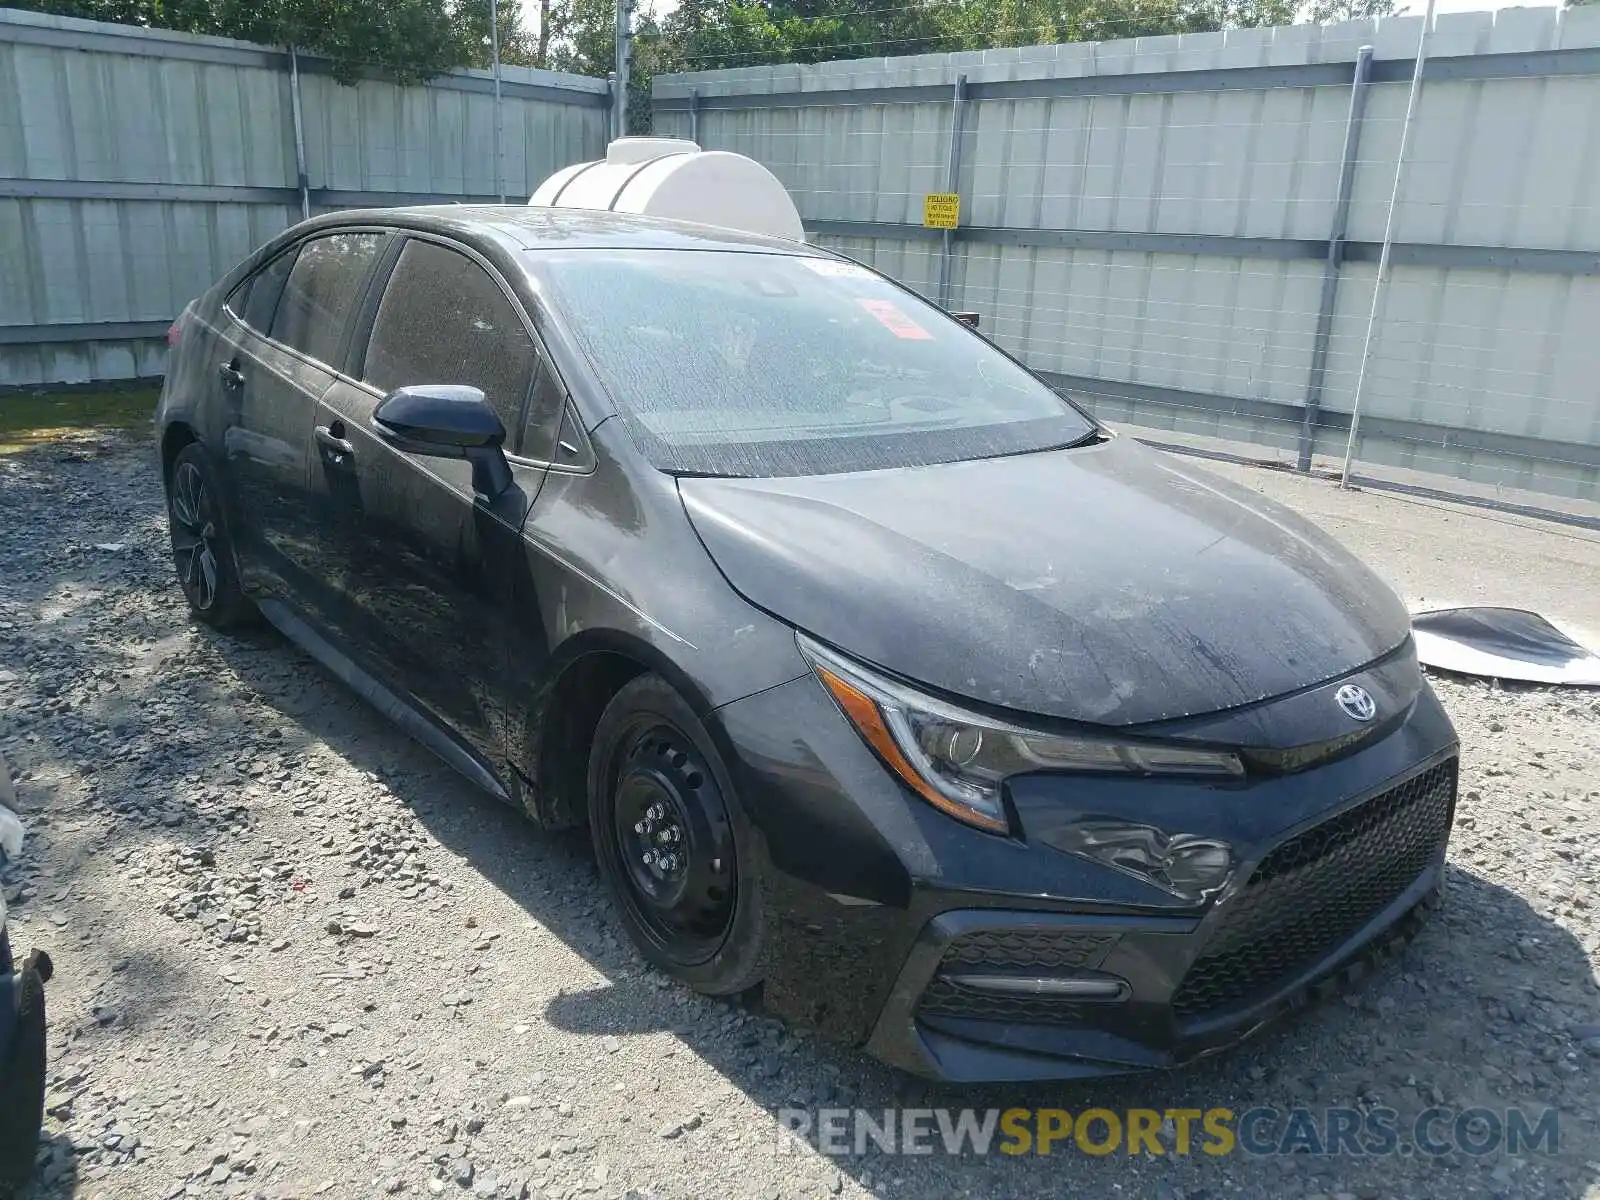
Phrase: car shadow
[1486,1008]
[55,1169]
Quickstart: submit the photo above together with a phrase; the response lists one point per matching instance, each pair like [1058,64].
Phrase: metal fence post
[301,181]
[1388,243]
[1335,259]
[694,114]
[499,112]
[952,184]
[624,53]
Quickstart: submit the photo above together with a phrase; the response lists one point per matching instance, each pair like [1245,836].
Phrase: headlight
[956,760]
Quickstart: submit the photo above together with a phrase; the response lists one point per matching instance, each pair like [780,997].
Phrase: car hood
[1111,584]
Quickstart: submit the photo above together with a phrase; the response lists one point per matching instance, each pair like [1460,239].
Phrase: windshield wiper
[1093,438]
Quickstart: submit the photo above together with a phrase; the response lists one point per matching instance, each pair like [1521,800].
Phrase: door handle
[232,376]
[336,449]
[333,441]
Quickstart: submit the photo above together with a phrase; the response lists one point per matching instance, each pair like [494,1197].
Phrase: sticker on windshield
[831,269]
[894,319]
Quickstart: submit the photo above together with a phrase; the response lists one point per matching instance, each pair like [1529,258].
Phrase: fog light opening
[1098,988]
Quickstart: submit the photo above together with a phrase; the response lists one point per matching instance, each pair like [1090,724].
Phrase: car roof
[526,227]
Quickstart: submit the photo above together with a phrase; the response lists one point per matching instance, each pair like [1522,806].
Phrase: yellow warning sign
[941,210]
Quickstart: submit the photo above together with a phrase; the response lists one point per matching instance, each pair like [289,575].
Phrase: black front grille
[1013,952]
[1316,890]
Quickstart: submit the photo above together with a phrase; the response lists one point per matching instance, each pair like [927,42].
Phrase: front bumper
[886,913]
[931,1028]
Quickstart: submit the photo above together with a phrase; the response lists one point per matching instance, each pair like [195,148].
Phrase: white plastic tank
[675,178]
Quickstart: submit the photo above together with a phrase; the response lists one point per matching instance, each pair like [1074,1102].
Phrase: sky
[662,7]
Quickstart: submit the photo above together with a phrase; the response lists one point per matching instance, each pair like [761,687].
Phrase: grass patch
[31,419]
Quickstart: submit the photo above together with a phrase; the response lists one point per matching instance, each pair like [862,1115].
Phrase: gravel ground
[296,956]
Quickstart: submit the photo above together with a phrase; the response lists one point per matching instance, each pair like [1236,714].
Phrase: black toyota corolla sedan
[882,675]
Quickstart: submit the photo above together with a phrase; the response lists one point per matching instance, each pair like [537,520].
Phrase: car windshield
[727,363]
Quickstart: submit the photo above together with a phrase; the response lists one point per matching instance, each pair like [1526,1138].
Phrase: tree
[584,36]
[472,25]
[413,39]
[1327,11]
[409,40]
[541,58]
[703,34]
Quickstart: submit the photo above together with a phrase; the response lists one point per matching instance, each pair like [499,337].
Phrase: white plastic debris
[676,179]
[11,831]
[1503,643]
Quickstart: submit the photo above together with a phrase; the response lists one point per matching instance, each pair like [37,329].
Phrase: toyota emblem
[1357,702]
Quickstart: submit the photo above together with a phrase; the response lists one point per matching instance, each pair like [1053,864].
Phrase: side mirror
[448,421]
[450,416]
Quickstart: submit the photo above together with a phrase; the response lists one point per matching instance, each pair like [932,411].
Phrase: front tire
[202,545]
[671,843]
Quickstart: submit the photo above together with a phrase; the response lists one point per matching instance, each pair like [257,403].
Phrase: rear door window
[322,292]
[256,299]
[444,319]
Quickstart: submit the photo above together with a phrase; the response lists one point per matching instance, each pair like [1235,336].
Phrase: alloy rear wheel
[202,550]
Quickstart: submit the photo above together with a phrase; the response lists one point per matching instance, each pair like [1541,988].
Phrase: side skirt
[404,715]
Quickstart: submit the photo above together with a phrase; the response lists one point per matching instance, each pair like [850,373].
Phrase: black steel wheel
[673,840]
[201,549]
[666,836]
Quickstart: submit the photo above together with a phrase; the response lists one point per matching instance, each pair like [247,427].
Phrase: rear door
[291,323]
[427,571]
[265,453]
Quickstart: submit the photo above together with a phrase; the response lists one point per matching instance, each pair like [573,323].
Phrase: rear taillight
[174,334]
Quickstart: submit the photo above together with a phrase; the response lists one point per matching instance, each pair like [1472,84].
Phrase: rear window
[764,364]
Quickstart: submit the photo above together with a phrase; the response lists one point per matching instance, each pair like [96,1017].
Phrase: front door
[425,570]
